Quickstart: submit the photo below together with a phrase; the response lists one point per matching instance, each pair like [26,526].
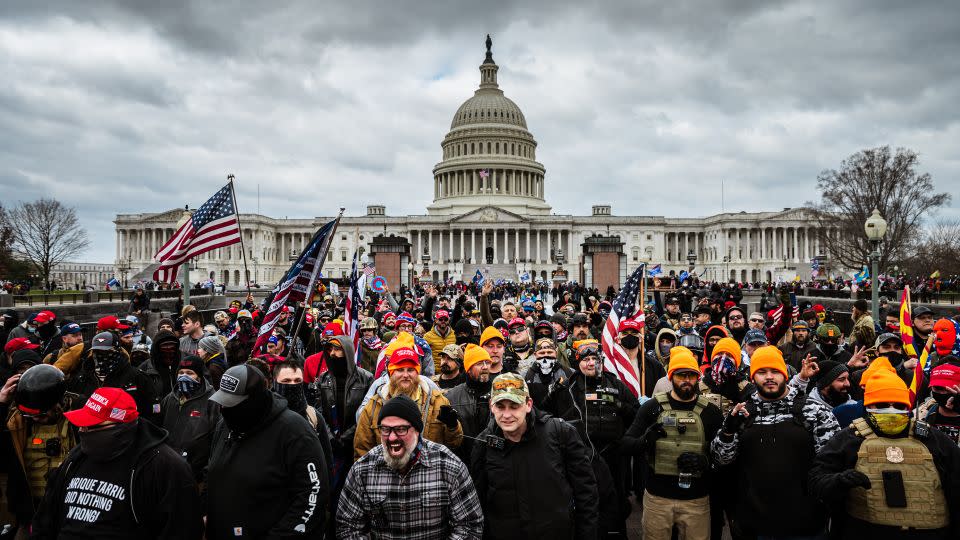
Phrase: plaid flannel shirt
[435,499]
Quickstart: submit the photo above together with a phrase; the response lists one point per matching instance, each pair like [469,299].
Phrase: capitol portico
[489,212]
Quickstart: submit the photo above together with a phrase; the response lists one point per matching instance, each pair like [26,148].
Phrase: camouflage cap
[828,331]
[453,351]
[509,386]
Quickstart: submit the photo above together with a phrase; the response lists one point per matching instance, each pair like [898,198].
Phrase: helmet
[40,389]
[132,321]
[368,324]
[692,342]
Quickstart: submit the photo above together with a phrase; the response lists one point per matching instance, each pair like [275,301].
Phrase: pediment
[489,214]
[169,215]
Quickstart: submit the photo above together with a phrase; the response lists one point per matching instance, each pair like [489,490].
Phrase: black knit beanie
[829,371]
[402,407]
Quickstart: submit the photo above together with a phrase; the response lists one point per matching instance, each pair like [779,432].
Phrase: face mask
[47,331]
[889,421]
[829,349]
[108,444]
[31,329]
[463,340]
[895,358]
[665,349]
[562,335]
[293,393]
[723,368]
[186,385]
[243,417]
[942,398]
[106,363]
[630,342]
[546,364]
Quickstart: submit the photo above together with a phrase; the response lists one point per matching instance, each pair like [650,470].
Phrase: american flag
[369,270]
[351,312]
[214,225]
[484,173]
[299,279]
[624,308]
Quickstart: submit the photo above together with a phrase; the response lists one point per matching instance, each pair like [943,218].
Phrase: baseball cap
[273,339]
[110,323]
[244,313]
[70,328]
[19,344]
[453,351]
[887,336]
[441,314]
[516,321]
[511,387]
[630,324]
[104,341]
[800,325]
[106,404]
[917,311]
[828,331]
[44,317]
[754,336]
[236,385]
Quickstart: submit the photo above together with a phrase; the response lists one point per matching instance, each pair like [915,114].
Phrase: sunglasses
[736,318]
[518,330]
[756,320]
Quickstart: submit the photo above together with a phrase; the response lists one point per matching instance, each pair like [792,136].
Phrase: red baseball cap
[516,321]
[106,404]
[44,317]
[630,324]
[110,323]
[403,357]
[333,329]
[945,375]
[286,309]
[18,344]
[442,314]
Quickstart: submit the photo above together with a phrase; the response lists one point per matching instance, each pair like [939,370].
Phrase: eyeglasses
[756,320]
[518,330]
[736,317]
[368,330]
[399,431]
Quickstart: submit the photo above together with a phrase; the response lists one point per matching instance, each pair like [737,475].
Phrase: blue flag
[655,271]
[478,278]
[683,275]
[113,282]
[862,275]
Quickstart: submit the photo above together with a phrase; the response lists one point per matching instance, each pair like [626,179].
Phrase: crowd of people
[482,411]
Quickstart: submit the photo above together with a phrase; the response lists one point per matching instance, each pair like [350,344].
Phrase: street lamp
[410,275]
[876,228]
[691,260]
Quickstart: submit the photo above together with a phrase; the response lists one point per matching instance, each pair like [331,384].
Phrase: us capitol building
[489,212]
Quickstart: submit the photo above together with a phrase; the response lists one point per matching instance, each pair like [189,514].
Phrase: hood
[148,436]
[348,352]
[715,330]
[163,336]
[656,344]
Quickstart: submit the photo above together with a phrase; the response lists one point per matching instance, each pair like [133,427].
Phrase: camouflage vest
[722,403]
[36,461]
[926,505]
[684,434]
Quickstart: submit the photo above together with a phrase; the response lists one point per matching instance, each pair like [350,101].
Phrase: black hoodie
[270,482]
[162,492]
[164,377]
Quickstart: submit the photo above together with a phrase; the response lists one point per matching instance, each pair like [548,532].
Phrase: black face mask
[294,394]
[245,416]
[829,349]
[942,398]
[630,342]
[108,444]
[336,364]
[896,359]
[461,340]
[47,331]
[107,362]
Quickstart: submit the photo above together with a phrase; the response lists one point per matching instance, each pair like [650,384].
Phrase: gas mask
[889,421]
[106,362]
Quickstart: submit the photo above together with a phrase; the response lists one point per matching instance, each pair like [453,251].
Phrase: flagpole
[243,250]
[313,276]
[642,358]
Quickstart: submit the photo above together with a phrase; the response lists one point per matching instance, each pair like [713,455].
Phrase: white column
[806,244]
[483,248]
[796,245]
[570,255]
[516,244]
[527,256]
[763,243]
[539,259]
[463,246]
[119,253]
[450,254]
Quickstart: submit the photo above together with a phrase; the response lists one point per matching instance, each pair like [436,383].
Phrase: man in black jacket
[267,476]
[533,475]
[162,365]
[121,481]
[189,416]
[471,398]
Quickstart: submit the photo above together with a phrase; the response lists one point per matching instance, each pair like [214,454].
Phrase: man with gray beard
[408,486]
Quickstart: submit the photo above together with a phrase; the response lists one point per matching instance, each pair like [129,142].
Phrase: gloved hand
[852,478]
[448,415]
[733,423]
[691,462]
[651,435]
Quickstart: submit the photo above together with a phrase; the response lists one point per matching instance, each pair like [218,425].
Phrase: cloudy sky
[143,106]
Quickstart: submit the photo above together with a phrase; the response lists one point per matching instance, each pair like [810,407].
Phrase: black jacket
[163,493]
[472,403]
[604,422]
[540,488]
[357,383]
[126,377]
[163,376]
[271,482]
[840,454]
[190,425]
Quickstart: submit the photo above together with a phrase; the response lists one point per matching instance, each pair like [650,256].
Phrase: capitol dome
[489,156]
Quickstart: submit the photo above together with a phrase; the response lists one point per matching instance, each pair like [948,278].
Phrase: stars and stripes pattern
[624,308]
[351,312]
[369,270]
[291,287]
[213,225]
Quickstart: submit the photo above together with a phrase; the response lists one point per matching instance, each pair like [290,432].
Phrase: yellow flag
[935,275]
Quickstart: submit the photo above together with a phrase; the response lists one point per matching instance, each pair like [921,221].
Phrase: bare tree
[47,233]
[874,178]
[939,251]
[6,243]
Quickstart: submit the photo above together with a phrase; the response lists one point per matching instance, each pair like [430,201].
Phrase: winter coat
[542,487]
[430,400]
[270,482]
[438,342]
[126,377]
[473,406]
[164,377]
[570,403]
[357,383]
[161,489]
[190,425]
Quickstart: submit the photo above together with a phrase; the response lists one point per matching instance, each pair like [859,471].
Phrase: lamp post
[876,228]
[691,260]
[410,275]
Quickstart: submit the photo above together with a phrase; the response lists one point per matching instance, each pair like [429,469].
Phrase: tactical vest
[684,434]
[722,403]
[926,505]
[37,463]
